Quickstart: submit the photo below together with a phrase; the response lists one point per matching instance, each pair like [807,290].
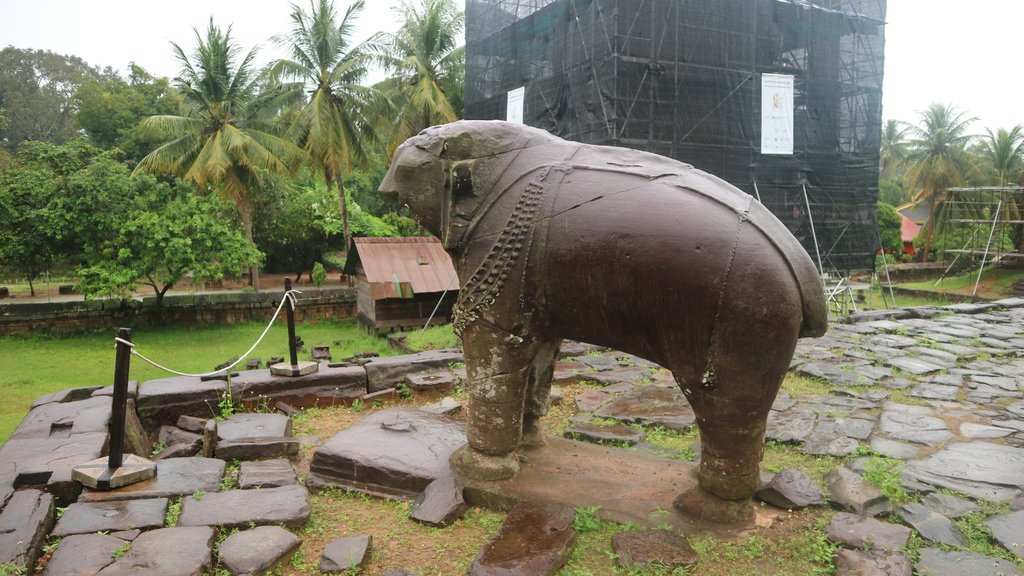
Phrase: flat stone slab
[83,555]
[599,433]
[344,554]
[791,426]
[266,474]
[914,424]
[288,505]
[791,489]
[935,562]
[978,469]
[856,531]
[649,548]
[1008,530]
[915,365]
[388,372]
[873,562]
[174,477]
[396,451]
[62,419]
[932,526]
[257,447]
[949,506]
[534,540]
[975,430]
[894,448]
[166,552]
[440,504]
[327,386]
[652,405]
[428,381]
[69,395]
[848,491]
[257,551]
[85,517]
[164,400]
[25,520]
[253,425]
[934,392]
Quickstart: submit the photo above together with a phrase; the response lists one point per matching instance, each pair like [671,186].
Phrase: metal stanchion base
[300,369]
[96,474]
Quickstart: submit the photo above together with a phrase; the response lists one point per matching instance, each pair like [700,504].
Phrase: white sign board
[514,110]
[776,114]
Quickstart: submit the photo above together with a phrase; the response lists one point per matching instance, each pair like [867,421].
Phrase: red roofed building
[908,231]
[400,281]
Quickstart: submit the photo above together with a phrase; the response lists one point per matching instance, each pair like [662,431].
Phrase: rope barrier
[289,297]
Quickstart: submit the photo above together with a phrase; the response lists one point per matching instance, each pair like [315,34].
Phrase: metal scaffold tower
[983,224]
[683,78]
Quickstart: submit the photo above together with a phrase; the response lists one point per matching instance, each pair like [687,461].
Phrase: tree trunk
[254,271]
[343,203]
[31,286]
[930,225]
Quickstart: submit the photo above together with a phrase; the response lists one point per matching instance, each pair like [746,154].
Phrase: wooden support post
[119,404]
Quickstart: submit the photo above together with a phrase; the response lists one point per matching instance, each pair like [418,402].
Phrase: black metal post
[119,403]
[293,353]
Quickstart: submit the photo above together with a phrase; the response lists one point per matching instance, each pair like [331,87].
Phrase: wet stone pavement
[934,394]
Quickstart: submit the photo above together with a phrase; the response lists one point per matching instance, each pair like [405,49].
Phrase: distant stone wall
[185,309]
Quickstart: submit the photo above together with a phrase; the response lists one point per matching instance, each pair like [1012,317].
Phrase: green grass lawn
[995,282]
[33,366]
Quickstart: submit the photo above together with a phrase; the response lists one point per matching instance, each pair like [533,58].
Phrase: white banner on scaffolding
[776,114]
[514,110]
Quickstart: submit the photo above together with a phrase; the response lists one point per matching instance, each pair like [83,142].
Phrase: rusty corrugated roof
[390,263]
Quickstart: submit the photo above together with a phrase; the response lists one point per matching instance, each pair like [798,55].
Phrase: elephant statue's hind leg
[498,367]
[538,390]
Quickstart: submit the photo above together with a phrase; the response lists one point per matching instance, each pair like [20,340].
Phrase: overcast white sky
[962,52]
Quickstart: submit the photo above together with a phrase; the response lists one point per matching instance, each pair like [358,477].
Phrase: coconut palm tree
[894,147]
[428,66]
[1002,153]
[938,159]
[332,126]
[220,142]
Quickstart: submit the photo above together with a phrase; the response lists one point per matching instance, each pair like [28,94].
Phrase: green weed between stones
[884,474]
[173,513]
[121,550]
[230,478]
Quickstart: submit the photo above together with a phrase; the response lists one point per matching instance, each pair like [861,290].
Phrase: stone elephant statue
[554,239]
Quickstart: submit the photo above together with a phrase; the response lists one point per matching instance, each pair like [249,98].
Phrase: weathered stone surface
[848,491]
[108,391]
[913,423]
[345,553]
[62,419]
[935,562]
[949,506]
[254,425]
[932,526]
[651,405]
[85,517]
[916,365]
[790,427]
[68,395]
[25,520]
[894,448]
[48,462]
[176,451]
[166,552]
[1008,530]
[164,400]
[981,470]
[534,540]
[388,372]
[329,385]
[369,457]
[288,505]
[447,405]
[791,489]
[174,477]
[856,531]
[836,374]
[83,555]
[662,548]
[257,551]
[934,392]
[440,504]
[974,430]
[590,400]
[435,380]
[872,563]
[828,440]
[598,433]
[266,474]
[210,438]
[257,447]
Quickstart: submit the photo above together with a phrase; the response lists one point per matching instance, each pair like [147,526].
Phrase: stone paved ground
[928,402]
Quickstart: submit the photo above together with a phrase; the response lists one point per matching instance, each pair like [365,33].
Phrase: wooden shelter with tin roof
[400,281]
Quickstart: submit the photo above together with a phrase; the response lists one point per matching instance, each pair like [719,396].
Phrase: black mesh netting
[682,78]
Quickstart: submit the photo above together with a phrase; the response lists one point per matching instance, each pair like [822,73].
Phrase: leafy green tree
[37,91]
[894,148]
[428,64]
[110,110]
[166,233]
[893,191]
[332,126]
[938,159]
[223,142]
[890,228]
[1002,155]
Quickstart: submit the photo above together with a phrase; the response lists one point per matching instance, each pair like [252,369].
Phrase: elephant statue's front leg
[498,367]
